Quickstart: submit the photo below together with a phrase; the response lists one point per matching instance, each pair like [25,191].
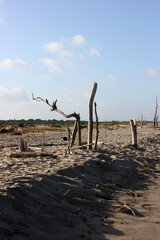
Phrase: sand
[110,193]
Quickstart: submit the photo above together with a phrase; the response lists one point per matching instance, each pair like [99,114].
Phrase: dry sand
[111,193]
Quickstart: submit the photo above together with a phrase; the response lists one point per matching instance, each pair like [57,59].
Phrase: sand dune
[111,193]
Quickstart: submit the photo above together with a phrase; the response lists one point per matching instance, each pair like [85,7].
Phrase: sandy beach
[110,193]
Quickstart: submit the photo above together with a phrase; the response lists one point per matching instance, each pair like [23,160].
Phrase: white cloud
[52,64]
[12,95]
[58,48]
[81,56]
[153,72]
[94,52]
[78,40]
[110,78]
[8,63]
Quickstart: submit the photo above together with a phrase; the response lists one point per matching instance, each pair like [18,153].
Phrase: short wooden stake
[134,132]
[22,145]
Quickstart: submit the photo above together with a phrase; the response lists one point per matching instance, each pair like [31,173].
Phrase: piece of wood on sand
[134,132]
[30,154]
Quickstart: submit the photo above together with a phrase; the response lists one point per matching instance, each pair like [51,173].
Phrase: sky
[57,49]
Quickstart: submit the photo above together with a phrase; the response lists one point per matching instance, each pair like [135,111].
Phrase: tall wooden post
[74,133]
[134,132]
[90,115]
[79,131]
[155,114]
[97,131]
[141,120]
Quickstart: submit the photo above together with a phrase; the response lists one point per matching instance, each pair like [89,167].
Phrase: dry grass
[39,129]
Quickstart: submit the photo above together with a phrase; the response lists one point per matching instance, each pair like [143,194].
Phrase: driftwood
[69,141]
[155,120]
[134,132]
[79,131]
[30,154]
[42,145]
[125,205]
[74,134]
[90,115]
[141,120]
[81,147]
[54,108]
[97,131]
[22,145]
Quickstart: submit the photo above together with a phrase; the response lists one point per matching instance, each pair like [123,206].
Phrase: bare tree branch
[54,108]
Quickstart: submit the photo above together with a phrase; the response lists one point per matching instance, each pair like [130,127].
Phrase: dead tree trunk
[134,132]
[155,114]
[90,115]
[97,131]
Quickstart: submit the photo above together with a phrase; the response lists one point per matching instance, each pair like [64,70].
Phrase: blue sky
[57,49]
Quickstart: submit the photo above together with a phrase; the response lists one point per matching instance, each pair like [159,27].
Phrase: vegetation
[36,126]
[57,123]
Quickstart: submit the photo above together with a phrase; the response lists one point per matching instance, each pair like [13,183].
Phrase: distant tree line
[36,121]
[53,121]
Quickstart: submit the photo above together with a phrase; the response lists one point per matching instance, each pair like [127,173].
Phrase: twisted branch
[54,108]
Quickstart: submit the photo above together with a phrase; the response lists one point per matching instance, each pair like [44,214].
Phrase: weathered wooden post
[69,141]
[97,131]
[155,114]
[90,115]
[74,134]
[134,132]
[22,145]
[141,120]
